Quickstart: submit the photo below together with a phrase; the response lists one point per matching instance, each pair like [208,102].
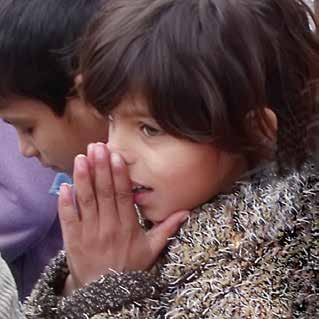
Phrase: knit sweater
[9,305]
[252,253]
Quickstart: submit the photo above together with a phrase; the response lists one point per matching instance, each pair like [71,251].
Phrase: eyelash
[149,130]
[143,127]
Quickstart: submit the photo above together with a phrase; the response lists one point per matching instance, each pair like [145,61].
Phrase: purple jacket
[29,229]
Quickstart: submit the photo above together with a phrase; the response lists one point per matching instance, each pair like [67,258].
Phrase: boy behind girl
[37,42]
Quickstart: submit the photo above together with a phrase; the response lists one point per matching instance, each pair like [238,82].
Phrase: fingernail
[100,143]
[63,187]
[90,148]
[66,194]
[81,163]
[100,151]
[116,159]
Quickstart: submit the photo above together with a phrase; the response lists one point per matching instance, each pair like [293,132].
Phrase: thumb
[159,234]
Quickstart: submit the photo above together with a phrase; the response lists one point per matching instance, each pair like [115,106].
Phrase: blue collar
[59,179]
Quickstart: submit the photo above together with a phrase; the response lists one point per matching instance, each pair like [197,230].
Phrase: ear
[96,113]
[77,109]
[78,80]
[262,125]
[271,122]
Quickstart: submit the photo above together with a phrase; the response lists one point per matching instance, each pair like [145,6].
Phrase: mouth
[140,193]
[49,166]
[137,188]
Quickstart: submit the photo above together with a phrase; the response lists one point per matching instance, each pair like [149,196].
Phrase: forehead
[132,107]
[20,109]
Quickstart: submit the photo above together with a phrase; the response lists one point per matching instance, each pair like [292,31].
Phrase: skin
[54,140]
[103,232]
[178,173]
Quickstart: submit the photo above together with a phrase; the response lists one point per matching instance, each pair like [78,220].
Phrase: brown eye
[150,131]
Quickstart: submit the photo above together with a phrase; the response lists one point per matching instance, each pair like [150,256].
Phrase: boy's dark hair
[206,66]
[37,38]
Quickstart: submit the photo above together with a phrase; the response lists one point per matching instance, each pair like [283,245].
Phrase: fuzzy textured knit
[252,253]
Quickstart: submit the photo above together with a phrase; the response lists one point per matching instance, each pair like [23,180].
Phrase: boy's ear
[77,85]
[76,108]
[78,80]
[96,113]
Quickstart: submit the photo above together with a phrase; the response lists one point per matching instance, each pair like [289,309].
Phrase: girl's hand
[103,234]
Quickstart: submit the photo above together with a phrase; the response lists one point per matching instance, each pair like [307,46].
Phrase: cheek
[190,181]
[187,191]
[49,144]
[165,167]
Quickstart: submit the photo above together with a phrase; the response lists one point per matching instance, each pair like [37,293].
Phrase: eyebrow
[137,115]
[136,111]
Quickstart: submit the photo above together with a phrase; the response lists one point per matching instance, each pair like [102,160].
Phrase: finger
[160,233]
[108,216]
[69,219]
[123,191]
[85,195]
[90,157]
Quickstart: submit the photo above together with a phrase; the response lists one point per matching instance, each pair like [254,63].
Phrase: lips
[55,168]
[140,188]
[141,193]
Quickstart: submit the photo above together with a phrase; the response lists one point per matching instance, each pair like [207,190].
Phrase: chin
[58,169]
[155,217]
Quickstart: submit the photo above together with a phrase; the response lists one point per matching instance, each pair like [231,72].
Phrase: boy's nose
[27,149]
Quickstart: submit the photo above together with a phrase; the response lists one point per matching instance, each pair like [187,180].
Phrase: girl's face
[167,173]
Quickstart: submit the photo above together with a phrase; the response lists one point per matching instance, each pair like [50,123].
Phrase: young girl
[210,105]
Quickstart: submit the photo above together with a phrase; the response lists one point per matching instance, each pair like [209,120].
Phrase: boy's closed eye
[19,127]
[8,122]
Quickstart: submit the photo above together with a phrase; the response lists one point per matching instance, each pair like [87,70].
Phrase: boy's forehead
[20,110]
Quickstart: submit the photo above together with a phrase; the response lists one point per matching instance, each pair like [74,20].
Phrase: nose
[26,148]
[120,143]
